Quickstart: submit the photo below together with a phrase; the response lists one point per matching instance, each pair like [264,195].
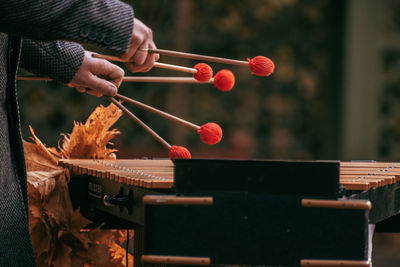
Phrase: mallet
[259,65]
[201,71]
[174,151]
[210,133]
[224,80]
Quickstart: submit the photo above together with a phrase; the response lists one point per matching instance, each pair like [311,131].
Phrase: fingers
[103,78]
[88,91]
[97,77]
[98,86]
[106,70]
[156,56]
[139,36]
[133,67]
[141,54]
[141,40]
[81,89]
[94,93]
[147,65]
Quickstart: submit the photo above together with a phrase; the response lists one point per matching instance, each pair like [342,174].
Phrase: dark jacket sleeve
[104,23]
[58,60]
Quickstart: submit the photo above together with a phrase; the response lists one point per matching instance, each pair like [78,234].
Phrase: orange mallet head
[261,66]
[210,133]
[179,152]
[204,72]
[224,80]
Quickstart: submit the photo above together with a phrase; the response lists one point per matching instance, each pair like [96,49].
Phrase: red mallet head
[261,66]
[224,80]
[210,133]
[179,152]
[204,72]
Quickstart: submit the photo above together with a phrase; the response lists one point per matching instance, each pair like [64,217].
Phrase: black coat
[27,33]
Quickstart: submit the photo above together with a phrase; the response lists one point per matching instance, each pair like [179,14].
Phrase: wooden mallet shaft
[158,112]
[152,79]
[146,79]
[33,78]
[199,57]
[141,123]
[156,64]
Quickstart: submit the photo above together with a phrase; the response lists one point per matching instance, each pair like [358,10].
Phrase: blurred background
[335,92]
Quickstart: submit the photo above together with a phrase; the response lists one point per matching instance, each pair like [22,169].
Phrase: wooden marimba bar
[159,174]
[368,175]
[150,174]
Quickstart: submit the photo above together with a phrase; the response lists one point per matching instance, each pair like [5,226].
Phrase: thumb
[102,86]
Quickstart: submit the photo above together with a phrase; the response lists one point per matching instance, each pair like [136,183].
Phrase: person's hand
[97,77]
[141,40]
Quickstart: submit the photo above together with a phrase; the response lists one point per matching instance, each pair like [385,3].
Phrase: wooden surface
[173,200]
[367,175]
[176,260]
[160,173]
[156,174]
[334,263]
[336,204]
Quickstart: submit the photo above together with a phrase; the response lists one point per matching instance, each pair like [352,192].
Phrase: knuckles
[120,72]
[149,33]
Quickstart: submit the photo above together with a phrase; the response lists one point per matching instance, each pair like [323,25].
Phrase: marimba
[246,212]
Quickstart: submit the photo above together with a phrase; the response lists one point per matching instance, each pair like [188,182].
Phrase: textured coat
[28,30]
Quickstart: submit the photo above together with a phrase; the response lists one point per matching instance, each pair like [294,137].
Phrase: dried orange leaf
[98,256]
[56,228]
[43,181]
[42,147]
[89,140]
[119,255]
[62,256]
